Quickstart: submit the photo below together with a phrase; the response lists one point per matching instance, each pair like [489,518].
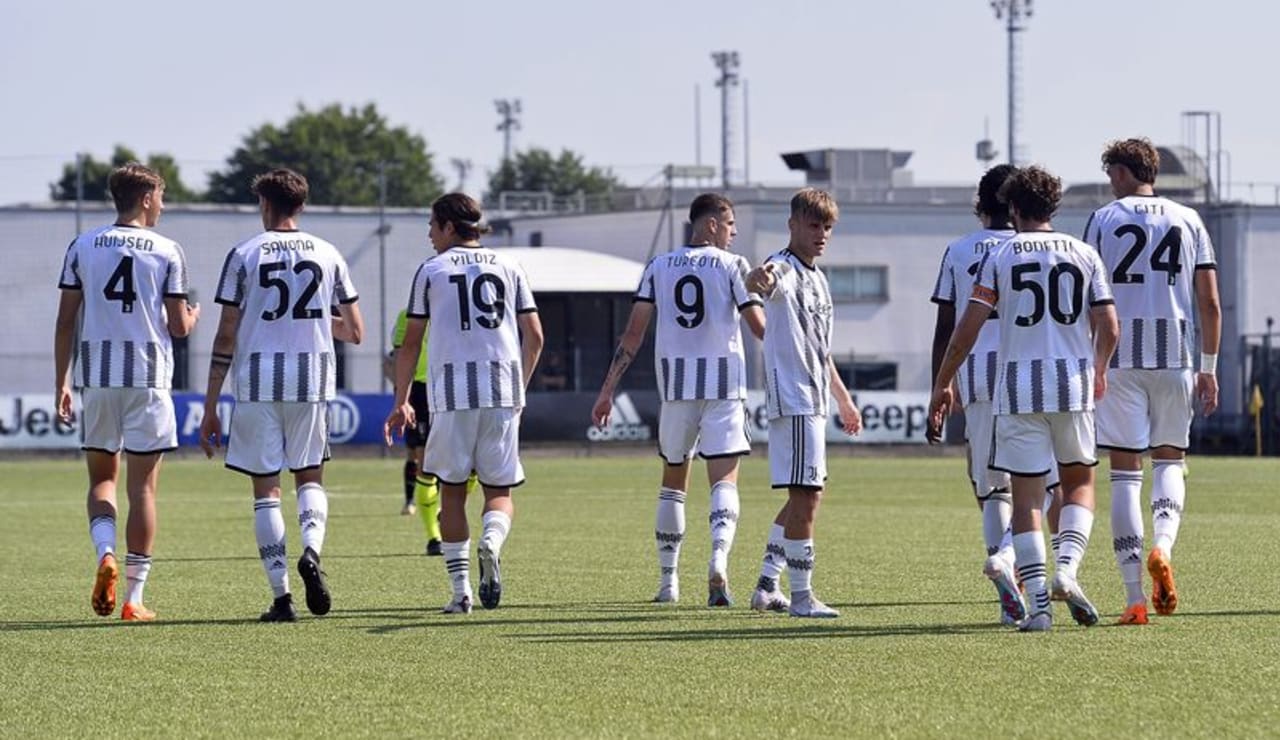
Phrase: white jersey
[1152,247]
[286,283]
[697,350]
[797,342]
[956,275]
[1043,283]
[472,296]
[125,273]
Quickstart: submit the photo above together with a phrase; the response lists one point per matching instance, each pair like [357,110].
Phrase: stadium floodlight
[1014,13]
[727,62]
[509,110]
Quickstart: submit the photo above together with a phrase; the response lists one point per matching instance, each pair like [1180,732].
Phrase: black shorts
[416,435]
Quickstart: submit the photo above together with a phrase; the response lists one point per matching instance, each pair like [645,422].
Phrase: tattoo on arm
[622,358]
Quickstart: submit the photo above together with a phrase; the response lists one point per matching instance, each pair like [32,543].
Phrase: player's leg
[449,458]
[426,491]
[768,595]
[1022,447]
[150,429]
[1124,431]
[499,470]
[995,502]
[1074,447]
[677,433]
[1171,412]
[798,462]
[306,448]
[722,441]
[102,438]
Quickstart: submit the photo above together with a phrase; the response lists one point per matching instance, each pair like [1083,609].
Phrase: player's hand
[850,419]
[400,417]
[601,411]
[210,432]
[762,279]
[64,404]
[193,310]
[939,407]
[1207,392]
[1099,384]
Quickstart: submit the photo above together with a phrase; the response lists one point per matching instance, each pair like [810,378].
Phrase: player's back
[472,297]
[1151,247]
[954,285]
[125,273]
[1045,283]
[285,282]
[697,294]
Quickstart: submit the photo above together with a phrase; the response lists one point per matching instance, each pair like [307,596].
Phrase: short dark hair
[988,203]
[815,203]
[463,212]
[1139,155]
[709,204]
[130,182]
[1034,192]
[283,188]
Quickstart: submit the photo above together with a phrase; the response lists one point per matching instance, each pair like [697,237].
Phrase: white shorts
[1036,444]
[717,427]
[798,451]
[484,440]
[139,419]
[267,437]
[1146,408]
[979,425]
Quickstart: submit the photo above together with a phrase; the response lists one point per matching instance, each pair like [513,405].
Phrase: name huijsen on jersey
[113,241]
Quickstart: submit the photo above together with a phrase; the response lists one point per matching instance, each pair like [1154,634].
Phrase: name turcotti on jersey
[797,344]
[125,273]
[956,275]
[471,296]
[698,293]
[1041,282]
[1151,241]
[284,282]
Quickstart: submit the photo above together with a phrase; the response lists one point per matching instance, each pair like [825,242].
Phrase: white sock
[1029,550]
[268,527]
[1168,494]
[775,558]
[724,524]
[1127,531]
[136,569]
[496,526]
[457,563]
[313,515]
[1074,526]
[668,532]
[799,566]
[102,530]
[997,510]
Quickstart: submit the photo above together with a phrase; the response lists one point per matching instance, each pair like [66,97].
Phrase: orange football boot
[136,613]
[1134,614]
[104,586]
[1164,594]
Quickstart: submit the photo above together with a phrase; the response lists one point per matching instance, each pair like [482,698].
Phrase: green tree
[536,169]
[96,174]
[338,152]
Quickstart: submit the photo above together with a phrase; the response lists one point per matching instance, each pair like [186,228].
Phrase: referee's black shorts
[416,436]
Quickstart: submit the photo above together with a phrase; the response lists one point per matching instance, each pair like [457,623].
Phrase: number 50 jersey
[285,282]
[472,296]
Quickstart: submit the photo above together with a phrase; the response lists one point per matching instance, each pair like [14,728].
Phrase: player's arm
[181,316]
[850,417]
[628,345]
[64,337]
[224,349]
[531,341]
[1210,310]
[753,314]
[961,344]
[943,325]
[407,358]
[348,325]
[1106,334]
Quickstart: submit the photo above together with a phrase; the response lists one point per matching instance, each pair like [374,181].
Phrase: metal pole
[1268,393]
[382,268]
[79,191]
[671,210]
[1208,152]
[746,137]
[724,131]
[1012,79]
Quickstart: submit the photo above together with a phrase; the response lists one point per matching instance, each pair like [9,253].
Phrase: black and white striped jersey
[286,283]
[697,293]
[472,296]
[956,275]
[1043,283]
[797,342]
[1152,247]
[124,274]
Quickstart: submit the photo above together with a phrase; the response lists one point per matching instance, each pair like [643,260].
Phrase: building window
[858,283]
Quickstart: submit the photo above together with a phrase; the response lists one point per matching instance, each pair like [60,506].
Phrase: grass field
[575,650]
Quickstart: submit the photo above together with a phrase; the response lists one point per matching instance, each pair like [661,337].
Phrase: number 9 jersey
[285,282]
[124,273]
[472,296]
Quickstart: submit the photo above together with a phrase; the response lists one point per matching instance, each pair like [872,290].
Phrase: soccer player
[1052,367]
[132,284]
[484,344]
[799,375]
[278,291]
[697,294]
[1162,268]
[417,484]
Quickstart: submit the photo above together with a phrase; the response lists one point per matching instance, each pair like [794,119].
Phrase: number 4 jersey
[125,273]
[472,296]
[1043,283]
[285,282]
[1152,247]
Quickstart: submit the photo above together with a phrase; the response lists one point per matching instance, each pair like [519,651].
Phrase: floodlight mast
[1015,14]
[509,111]
[727,62]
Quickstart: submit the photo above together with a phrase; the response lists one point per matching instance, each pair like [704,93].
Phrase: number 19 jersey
[697,293]
[472,296]
[1149,245]
[124,273]
[285,282]
[956,275]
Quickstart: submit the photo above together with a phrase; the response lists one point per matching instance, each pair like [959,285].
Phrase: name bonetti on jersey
[473,259]
[703,261]
[1044,245]
[288,245]
[106,241]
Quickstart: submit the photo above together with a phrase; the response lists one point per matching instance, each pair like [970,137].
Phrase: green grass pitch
[576,650]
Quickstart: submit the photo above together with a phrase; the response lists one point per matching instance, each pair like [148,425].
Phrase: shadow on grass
[327,558]
[824,630]
[108,622]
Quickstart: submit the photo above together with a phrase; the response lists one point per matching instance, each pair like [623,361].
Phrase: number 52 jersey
[472,296]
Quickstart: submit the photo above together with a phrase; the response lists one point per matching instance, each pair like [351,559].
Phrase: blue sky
[615,81]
